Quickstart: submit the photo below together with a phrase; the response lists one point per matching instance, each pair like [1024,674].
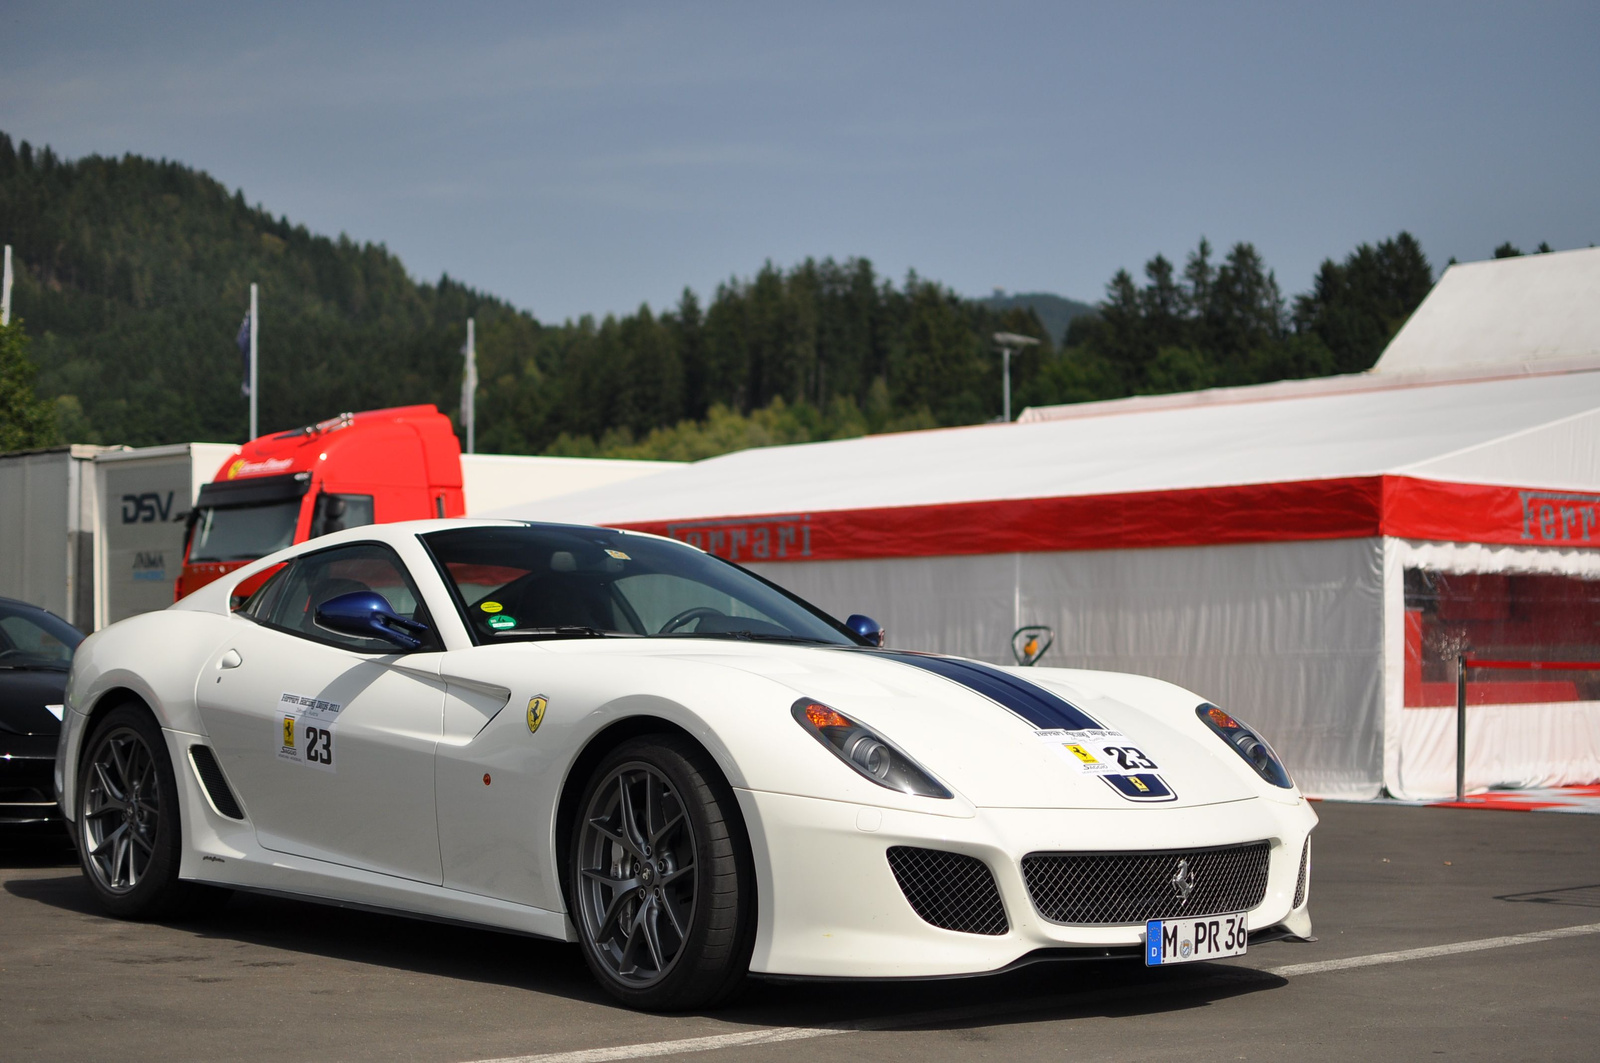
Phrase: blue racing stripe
[1034,704]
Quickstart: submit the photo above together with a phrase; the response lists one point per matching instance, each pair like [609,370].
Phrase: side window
[315,578]
[259,605]
[338,512]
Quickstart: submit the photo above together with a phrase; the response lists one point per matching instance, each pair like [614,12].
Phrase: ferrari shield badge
[1029,643]
[536,707]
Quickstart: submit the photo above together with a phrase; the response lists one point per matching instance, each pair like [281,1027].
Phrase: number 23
[319,745]
[1129,757]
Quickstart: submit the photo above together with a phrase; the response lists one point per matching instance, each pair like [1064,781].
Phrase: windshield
[34,639]
[555,582]
[244,533]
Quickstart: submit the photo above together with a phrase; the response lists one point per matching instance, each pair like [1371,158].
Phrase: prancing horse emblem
[1182,881]
[536,707]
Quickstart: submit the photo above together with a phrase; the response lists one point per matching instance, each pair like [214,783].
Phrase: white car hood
[983,750]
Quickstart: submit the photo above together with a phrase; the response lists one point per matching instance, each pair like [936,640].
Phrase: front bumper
[830,905]
[27,782]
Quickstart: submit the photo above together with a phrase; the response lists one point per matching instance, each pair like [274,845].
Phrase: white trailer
[48,510]
[144,497]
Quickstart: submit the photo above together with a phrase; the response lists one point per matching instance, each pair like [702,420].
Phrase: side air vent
[1304,882]
[210,772]
[949,890]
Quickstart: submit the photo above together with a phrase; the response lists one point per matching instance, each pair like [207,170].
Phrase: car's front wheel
[660,877]
[128,833]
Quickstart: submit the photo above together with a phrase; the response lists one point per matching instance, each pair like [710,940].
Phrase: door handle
[231,659]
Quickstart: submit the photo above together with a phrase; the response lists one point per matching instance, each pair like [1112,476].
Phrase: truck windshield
[549,581]
[244,533]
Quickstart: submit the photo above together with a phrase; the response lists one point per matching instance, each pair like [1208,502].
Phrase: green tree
[25,419]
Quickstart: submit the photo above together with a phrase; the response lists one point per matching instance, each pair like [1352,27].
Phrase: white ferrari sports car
[616,739]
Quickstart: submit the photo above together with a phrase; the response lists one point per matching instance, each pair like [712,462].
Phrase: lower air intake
[210,772]
[1303,883]
[949,890]
[1114,889]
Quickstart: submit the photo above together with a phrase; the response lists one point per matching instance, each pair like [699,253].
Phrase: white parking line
[1431,951]
[773,1035]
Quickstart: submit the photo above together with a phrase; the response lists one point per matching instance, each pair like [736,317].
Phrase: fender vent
[210,772]
[1303,883]
[949,890]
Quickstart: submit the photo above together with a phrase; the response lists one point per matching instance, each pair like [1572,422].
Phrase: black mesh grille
[1118,888]
[1304,881]
[949,890]
[205,762]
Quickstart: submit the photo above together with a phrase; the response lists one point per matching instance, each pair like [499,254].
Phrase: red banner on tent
[1346,508]
[1485,513]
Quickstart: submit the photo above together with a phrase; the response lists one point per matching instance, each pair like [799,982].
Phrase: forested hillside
[134,275]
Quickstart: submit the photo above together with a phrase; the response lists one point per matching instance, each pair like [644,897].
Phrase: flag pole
[469,389]
[254,359]
[5,291]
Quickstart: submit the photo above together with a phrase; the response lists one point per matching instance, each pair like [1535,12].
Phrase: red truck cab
[354,469]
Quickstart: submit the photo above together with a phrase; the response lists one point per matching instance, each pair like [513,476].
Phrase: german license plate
[1187,940]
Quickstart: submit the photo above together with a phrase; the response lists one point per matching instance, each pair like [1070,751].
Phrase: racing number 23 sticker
[308,731]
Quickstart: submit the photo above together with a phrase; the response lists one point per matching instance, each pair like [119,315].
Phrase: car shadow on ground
[47,846]
[1043,992]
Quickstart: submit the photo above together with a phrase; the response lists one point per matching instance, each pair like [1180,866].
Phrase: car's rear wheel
[660,877]
[128,832]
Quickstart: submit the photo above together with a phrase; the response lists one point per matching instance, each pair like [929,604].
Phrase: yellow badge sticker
[1139,784]
[288,732]
[1082,754]
[491,607]
[536,707]
[619,555]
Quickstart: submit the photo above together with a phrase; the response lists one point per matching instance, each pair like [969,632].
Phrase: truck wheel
[660,877]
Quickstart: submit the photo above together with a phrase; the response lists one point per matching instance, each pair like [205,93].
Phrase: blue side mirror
[867,628]
[368,615]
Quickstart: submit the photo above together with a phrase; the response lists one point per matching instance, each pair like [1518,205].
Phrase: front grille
[1108,889]
[1303,883]
[949,890]
[215,782]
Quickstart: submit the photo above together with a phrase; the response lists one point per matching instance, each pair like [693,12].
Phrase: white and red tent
[1309,554]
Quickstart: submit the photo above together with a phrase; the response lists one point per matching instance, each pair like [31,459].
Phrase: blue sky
[585,158]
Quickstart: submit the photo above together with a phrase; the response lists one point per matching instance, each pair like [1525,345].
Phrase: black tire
[128,829]
[686,948]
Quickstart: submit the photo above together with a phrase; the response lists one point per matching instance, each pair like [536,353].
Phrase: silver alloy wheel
[636,874]
[121,810]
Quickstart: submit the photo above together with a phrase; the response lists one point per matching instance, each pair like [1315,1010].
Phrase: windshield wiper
[53,666]
[567,630]
[752,636]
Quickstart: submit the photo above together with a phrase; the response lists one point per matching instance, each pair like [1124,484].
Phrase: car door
[328,738]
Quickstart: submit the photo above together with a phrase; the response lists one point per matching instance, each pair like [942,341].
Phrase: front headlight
[1249,745]
[864,751]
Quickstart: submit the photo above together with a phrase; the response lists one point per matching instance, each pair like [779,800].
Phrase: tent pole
[1461,727]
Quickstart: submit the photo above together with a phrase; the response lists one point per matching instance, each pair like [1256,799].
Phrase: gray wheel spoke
[672,915]
[652,936]
[110,840]
[138,839]
[113,797]
[622,885]
[658,836]
[675,874]
[611,834]
[630,827]
[119,760]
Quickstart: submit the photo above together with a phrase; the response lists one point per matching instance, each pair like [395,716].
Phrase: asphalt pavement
[1464,934]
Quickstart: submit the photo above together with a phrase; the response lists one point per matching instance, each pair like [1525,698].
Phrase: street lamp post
[1009,342]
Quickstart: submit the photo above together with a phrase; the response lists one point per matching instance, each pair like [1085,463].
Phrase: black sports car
[36,649]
